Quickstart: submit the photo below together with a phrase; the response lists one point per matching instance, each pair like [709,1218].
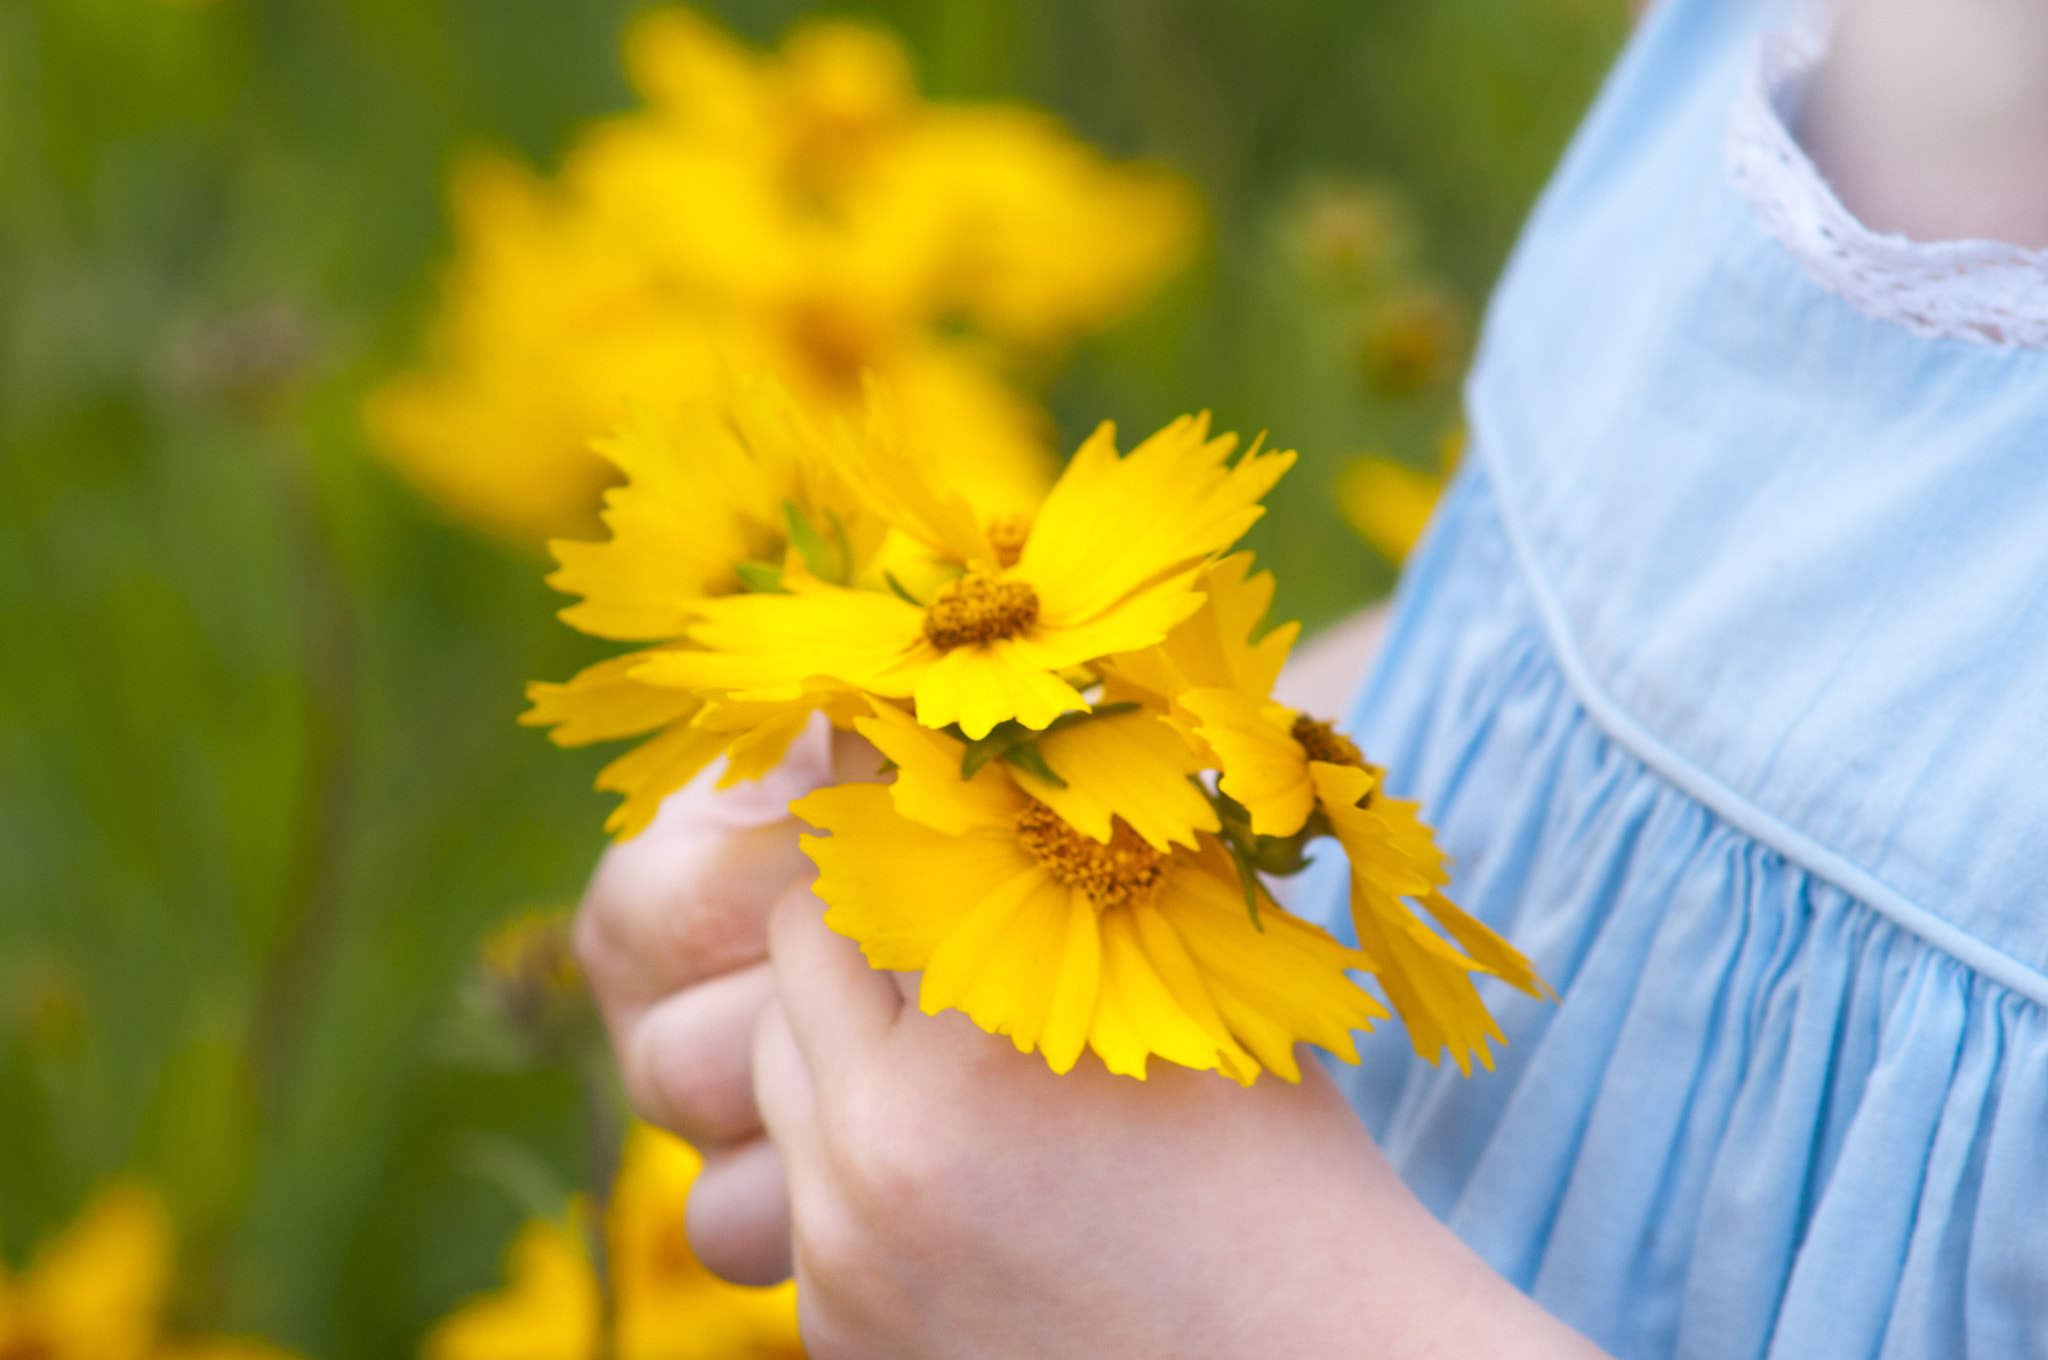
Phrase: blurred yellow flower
[804,214]
[664,1305]
[1390,503]
[97,1290]
[1290,777]
[1065,938]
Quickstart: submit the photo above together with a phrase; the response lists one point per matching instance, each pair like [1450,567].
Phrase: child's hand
[673,936]
[953,1197]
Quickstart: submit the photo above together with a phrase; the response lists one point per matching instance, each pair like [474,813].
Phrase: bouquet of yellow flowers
[1089,779]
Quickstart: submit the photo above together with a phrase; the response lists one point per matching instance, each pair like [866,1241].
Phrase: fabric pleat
[1765,1120]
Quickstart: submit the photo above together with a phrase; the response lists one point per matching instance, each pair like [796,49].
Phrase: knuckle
[833,1250]
[690,1058]
[901,1161]
[640,1074]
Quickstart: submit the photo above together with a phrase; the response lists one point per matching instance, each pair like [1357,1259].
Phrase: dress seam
[1724,802]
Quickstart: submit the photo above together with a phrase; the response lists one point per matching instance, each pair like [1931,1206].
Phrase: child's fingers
[679,903]
[687,1061]
[737,1218]
[837,1007]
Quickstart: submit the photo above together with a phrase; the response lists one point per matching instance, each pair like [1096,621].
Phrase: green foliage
[260,786]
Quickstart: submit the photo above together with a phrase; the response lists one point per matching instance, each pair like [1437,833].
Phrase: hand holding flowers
[1068,851]
[1090,775]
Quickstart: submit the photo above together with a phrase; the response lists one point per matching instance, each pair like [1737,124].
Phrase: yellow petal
[758,733]
[694,505]
[1280,981]
[771,644]
[1213,649]
[1264,767]
[1087,550]
[895,886]
[604,702]
[1499,957]
[1026,951]
[1393,857]
[652,771]
[549,1308]
[875,464]
[667,1305]
[980,685]
[1137,1015]
[1428,983]
[1131,766]
[928,787]
[1140,619]
[99,1287]
[1388,504]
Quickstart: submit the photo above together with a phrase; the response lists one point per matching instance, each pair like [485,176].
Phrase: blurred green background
[261,792]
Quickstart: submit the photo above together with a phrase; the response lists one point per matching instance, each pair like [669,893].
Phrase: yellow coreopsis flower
[1294,776]
[97,1291]
[714,503]
[806,214]
[1066,940]
[1007,639]
[664,1305]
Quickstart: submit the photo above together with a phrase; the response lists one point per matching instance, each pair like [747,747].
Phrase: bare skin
[1929,118]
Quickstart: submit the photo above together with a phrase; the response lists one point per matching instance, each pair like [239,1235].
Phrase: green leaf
[1249,879]
[761,578]
[823,560]
[901,593]
[1003,736]
[1026,756]
[1079,716]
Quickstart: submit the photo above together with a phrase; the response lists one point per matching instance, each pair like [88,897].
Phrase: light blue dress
[1723,674]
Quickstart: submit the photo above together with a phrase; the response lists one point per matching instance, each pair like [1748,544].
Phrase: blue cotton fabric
[1723,675]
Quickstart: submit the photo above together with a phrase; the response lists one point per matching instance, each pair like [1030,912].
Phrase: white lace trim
[1983,291]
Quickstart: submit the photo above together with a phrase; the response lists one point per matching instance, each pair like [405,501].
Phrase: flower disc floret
[979,607]
[1124,870]
[1321,741]
[1006,538]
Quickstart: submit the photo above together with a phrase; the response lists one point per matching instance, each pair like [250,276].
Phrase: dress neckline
[1985,292]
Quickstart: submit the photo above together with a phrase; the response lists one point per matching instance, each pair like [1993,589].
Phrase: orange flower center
[1320,741]
[979,608]
[27,1346]
[1325,743]
[1110,875]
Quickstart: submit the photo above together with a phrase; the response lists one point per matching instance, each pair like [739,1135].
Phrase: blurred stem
[604,1135]
[314,882]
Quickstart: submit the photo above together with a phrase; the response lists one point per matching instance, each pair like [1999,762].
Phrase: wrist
[1420,1293]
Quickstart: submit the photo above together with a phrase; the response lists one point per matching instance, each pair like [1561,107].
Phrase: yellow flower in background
[1390,503]
[1295,777]
[664,1304]
[97,1290]
[1066,940]
[1009,637]
[805,214]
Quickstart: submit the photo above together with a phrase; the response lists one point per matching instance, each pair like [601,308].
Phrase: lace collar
[1981,291]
